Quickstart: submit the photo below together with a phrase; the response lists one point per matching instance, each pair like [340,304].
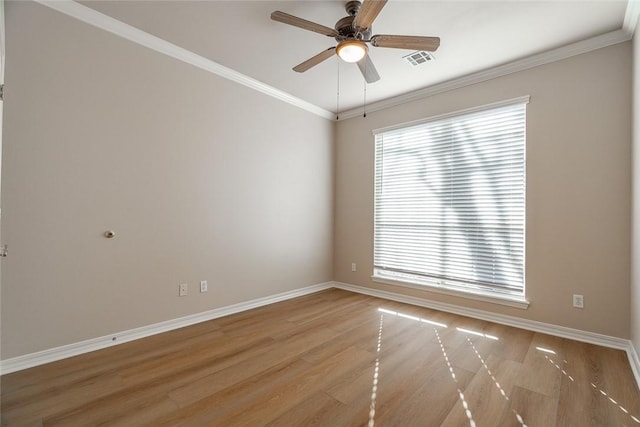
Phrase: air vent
[419,57]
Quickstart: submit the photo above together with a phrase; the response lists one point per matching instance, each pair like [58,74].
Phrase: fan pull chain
[364,103]
[338,93]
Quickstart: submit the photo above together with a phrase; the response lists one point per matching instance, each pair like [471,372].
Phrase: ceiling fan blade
[367,13]
[285,18]
[429,44]
[368,70]
[315,60]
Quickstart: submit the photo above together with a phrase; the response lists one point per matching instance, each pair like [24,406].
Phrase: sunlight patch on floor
[376,373]
[465,405]
[622,408]
[495,381]
[414,318]
[479,334]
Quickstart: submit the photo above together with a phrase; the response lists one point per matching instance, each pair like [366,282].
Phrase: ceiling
[475,35]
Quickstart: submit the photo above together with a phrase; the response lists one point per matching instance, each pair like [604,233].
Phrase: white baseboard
[634,361]
[531,325]
[58,353]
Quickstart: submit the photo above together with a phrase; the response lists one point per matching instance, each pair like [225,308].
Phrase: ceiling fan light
[351,50]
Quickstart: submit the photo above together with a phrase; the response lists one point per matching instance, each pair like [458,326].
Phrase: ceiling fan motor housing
[345,29]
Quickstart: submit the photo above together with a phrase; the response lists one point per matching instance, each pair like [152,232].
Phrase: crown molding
[119,28]
[631,17]
[558,54]
[128,32]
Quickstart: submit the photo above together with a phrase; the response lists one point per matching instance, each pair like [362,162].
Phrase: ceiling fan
[352,33]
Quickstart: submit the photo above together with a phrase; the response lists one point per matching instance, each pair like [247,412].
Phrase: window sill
[521,303]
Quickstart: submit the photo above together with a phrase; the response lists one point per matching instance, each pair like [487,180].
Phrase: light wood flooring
[333,358]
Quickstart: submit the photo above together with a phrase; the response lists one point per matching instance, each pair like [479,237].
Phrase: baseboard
[58,353]
[634,361]
[531,325]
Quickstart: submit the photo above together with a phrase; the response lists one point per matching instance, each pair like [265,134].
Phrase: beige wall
[635,252]
[204,179]
[199,177]
[578,188]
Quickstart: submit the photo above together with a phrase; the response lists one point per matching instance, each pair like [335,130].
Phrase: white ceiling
[475,35]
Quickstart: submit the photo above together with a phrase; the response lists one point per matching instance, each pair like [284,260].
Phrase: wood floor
[333,359]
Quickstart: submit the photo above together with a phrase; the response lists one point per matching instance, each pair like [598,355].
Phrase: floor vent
[419,57]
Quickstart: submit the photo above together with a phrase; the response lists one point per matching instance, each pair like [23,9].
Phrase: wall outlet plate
[183,290]
[578,301]
[204,286]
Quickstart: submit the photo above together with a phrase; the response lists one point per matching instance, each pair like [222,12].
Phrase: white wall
[199,177]
[578,188]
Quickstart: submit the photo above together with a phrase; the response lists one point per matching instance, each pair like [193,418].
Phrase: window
[450,202]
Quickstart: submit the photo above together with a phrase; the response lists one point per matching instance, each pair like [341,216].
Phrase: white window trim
[516,301]
[520,100]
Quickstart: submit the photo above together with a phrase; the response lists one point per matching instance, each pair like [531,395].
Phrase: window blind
[450,202]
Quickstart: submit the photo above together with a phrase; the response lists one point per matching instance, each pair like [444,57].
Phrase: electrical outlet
[183,290]
[353,266]
[204,286]
[578,301]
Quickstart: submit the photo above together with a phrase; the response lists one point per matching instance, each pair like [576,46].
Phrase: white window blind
[450,202]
